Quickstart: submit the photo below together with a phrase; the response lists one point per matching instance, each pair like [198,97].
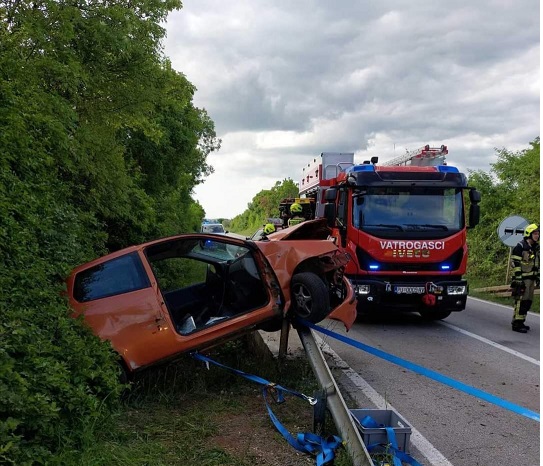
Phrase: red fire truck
[404,224]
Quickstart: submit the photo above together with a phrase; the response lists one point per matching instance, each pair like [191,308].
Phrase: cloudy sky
[286,80]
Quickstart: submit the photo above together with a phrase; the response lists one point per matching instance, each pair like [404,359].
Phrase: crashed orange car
[157,300]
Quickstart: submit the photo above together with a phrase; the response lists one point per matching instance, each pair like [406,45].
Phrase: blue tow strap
[428,373]
[392,449]
[323,449]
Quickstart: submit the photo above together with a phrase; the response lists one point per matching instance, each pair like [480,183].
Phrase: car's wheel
[124,375]
[434,315]
[310,298]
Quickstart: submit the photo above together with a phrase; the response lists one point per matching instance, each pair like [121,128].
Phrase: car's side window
[178,272]
[206,282]
[120,275]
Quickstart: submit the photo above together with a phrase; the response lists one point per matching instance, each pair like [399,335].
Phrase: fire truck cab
[404,224]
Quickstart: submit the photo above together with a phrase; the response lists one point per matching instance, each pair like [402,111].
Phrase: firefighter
[296,211]
[268,229]
[525,263]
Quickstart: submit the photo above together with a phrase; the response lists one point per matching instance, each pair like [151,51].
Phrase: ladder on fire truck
[424,157]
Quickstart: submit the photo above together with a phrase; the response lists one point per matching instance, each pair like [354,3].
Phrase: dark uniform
[297,215]
[525,262]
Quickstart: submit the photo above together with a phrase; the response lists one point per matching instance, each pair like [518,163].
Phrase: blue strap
[254,378]
[398,454]
[428,373]
[323,449]
[306,442]
[369,423]
[394,444]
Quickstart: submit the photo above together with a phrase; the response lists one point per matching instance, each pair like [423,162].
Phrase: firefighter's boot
[518,326]
[523,311]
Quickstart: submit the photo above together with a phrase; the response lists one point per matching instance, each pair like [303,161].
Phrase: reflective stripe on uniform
[295,221]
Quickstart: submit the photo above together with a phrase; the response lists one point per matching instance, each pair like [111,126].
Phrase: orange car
[159,299]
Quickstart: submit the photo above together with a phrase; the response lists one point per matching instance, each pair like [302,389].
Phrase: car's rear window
[117,276]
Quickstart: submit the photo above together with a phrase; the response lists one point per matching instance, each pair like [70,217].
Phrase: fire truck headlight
[362,289]
[456,290]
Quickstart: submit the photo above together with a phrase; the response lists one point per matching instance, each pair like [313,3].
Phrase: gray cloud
[285,81]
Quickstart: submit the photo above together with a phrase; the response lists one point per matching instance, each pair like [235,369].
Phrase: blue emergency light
[447,169]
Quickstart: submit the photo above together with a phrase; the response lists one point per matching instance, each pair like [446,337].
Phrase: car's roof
[139,247]
[309,230]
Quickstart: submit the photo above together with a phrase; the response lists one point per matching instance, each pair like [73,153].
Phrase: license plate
[409,290]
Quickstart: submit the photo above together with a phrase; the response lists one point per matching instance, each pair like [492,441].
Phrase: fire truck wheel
[310,298]
[434,315]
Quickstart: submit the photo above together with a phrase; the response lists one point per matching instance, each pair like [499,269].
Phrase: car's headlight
[456,289]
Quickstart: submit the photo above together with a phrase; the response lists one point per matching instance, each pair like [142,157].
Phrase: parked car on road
[156,300]
[216,228]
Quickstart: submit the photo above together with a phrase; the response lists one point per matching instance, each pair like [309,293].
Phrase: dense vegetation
[511,188]
[263,206]
[100,147]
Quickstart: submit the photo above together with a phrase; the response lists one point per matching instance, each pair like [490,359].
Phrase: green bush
[100,148]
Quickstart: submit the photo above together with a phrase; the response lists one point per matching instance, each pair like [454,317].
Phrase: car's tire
[125,376]
[434,315]
[310,298]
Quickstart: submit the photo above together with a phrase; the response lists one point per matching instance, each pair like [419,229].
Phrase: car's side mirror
[474,215]
[330,214]
[330,195]
[474,196]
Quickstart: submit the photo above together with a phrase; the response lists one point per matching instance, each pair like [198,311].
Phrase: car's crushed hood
[310,229]
[307,242]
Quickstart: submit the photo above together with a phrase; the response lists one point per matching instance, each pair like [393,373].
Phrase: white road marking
[491,343]
[434,456]
[510,308]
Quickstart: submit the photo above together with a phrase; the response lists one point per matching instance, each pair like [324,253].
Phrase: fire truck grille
[365,261]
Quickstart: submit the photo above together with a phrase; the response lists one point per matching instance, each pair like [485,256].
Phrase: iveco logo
[411,253]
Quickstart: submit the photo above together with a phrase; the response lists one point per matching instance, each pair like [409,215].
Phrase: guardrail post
[341,415]
[283,339]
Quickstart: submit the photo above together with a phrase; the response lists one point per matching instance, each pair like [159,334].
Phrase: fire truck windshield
[389,210]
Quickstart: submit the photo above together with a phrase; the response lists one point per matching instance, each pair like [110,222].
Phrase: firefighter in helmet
[268,229]
[297,217]
[525,264]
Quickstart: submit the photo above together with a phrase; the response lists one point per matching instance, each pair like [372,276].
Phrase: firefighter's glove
[517,288]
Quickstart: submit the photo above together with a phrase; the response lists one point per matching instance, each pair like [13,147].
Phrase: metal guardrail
[500,290]
[335,403]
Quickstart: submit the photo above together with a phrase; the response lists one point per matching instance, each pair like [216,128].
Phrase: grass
[184,414]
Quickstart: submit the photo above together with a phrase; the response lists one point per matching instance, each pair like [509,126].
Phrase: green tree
[264,205]
[511,188]
[100,146]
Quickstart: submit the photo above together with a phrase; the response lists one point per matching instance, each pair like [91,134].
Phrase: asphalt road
[475,347]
